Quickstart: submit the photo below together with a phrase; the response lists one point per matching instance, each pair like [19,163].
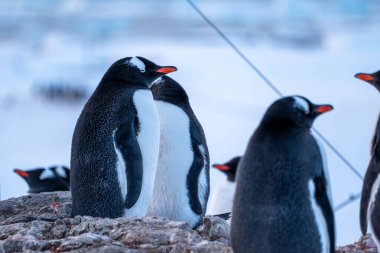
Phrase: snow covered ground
[227,96]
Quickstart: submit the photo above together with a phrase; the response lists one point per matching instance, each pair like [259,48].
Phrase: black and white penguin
[116,141]
[282,201]
[373,79]
[182,184]
[46,179]
[223,195]
[370,198]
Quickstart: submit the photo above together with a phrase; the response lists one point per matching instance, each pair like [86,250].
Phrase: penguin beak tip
[364,77]
[166,70]
[221,167]
[21,173]
[325,108]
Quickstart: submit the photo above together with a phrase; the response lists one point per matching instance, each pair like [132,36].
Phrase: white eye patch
[301,104]
[136,62]
[61,171]
[46,174]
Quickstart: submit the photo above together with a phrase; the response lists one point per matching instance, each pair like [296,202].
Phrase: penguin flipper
[323,201]
[224,216]
[200,163]
[374,138]
[126,142]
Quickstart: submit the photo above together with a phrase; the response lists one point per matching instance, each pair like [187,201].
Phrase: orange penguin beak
[364,77]
[324,108]
[21,173]
[221,167]
[166,70]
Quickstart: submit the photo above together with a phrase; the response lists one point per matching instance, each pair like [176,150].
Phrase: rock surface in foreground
[41,222]
[364,245]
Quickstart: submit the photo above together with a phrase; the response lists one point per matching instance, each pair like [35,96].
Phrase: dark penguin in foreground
[282,200]
[223,195]
[116,142]
[182,184]
[370,199]
[55,178]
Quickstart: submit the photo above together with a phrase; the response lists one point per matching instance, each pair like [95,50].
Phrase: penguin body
[282,202]
[370,198]
[181,188]
[116,141]
[223,195]
[55,178]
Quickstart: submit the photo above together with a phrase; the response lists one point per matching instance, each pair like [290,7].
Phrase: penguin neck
[231,178]
[122,84]
[284,125]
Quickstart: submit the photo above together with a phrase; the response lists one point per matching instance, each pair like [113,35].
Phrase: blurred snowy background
[53,54]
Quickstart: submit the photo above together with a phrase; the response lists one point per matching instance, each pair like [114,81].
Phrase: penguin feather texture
[121,170]
[319,219]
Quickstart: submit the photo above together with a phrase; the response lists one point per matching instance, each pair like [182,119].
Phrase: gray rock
[42,223]
[214,228]
[364,245]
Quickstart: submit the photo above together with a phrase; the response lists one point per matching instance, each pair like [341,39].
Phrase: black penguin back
[272,209]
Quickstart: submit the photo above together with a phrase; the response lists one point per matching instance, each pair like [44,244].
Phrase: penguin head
[32,177]
[137,70]
[166,89]
[294,111]
[229,168]
[373,78]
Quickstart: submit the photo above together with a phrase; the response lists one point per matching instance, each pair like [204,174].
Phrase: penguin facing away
[282,202]
[370,198]
[182,181]
[116,142]
[223,195]
[46,179]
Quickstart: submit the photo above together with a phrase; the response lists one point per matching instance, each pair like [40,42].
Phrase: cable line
[280,94]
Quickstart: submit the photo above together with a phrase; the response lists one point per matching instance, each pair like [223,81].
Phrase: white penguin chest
[319,219]
[175,145]
[222,198]
[148,138]
[374,192]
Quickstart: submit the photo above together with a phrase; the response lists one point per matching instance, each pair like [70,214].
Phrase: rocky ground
[364,245]
[42,223]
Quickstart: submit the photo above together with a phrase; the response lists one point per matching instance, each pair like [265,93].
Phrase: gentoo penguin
[282,201]
[46,179]
[223,194]
[182,184]
[115,144]
[370,199]
[373,79]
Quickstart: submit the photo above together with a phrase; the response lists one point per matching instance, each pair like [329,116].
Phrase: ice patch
[137,63]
